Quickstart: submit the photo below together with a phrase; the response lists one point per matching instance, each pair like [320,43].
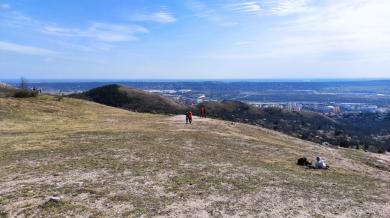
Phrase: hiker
[189,117]
[320,163]
[202,112]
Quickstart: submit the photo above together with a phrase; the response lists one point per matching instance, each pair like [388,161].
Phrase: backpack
[303,161]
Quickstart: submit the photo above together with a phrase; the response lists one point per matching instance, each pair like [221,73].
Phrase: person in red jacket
[189,117]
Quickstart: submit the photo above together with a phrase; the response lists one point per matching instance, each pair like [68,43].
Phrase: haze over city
[194,39]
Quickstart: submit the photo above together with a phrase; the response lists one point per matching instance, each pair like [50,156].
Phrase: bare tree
[24,91]
[23,84]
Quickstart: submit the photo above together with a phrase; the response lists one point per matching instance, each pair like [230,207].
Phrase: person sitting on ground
[320,163]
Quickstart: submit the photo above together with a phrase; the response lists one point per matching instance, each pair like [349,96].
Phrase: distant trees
[342,141]
[24,91]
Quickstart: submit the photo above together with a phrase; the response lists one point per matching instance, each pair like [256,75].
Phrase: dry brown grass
[107,162]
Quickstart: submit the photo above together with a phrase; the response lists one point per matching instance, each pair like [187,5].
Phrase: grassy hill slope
[271,117]
[6,90]
[106,161]
[367,131]
[306,125]
[132,99]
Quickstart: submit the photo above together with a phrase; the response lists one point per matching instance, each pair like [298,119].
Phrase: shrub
[25,94]
[381,150]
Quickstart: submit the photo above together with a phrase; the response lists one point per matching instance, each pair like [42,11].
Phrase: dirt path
[182,119]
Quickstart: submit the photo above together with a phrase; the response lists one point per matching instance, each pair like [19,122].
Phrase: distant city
[332,98]
[329,108]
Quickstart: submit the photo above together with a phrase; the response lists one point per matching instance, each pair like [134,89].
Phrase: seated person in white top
[320,163]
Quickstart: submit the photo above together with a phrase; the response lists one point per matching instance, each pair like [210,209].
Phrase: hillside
[132,99]
[306,125]
[366,131]
[346,132]
[105,161]
[6,90]
[270,116]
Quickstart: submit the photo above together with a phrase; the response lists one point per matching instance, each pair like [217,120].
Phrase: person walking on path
[189,117]
[202,112]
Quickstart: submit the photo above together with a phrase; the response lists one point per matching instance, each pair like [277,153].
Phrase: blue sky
[194,39]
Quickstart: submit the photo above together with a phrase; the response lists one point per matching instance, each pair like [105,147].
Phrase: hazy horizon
[70,80]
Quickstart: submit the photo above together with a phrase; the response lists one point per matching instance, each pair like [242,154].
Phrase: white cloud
[217,19]
[24,49]
[287,7]
[214,16]
[349,25]
[159,17]
[94,37]
[246,7]
[4,6]
[105,32]
[242,43]
[335,30]
[16,19]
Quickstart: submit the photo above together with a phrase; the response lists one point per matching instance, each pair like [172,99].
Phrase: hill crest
[132,99]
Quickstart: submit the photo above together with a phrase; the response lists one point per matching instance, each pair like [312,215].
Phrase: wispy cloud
[12,18]
[4,6]
[351,29]
[242,43]
[212,15]
[105,32]
[93,37]
[288,7]
[24,49]
[246,7]
[159,17]
[349,25]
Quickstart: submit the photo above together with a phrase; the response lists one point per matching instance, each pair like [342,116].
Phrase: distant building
[293,106]
[336,110]
[201,99]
